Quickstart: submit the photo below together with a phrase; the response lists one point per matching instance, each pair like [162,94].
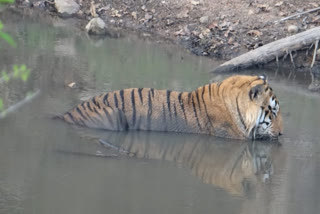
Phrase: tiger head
[257,106]
[269,122]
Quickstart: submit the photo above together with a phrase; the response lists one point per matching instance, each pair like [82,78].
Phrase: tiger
[239,107]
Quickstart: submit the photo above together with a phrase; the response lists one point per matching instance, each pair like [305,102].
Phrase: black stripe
[133,108]
[198,100]
[95,110]
[108,116]
[71,117]
[168,102]
[205,107]
[95,102]
[85,111]
[149,111]
[89,117]
[152,91]
[140,94]
[239,113]
[189,96]
[210,92]
[89,106]
[101,118]
[123,121]
[248,83]
[164,117]
[138,123]
[83,106]
[195,113]
[81,114]
[122,99]
[82,122]
[267,88]
[182,106]
[118,118]
[115,99]
[105,99]
[218,87]
[175,111]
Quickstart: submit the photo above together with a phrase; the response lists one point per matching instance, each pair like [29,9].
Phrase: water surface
[47,166]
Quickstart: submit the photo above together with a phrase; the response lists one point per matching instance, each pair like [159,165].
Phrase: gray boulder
[66,7]
[96,26]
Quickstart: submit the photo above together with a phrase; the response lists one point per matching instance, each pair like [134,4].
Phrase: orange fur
[231,108]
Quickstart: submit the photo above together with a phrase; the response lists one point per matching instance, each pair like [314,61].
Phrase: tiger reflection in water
[228,164]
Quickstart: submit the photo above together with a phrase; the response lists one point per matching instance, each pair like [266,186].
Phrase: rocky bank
[214,28]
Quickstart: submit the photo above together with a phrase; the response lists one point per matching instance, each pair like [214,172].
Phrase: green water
[47,166]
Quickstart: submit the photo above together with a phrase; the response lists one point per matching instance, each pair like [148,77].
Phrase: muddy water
[49,167]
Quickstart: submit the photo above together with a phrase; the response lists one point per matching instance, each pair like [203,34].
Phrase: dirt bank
[213,28]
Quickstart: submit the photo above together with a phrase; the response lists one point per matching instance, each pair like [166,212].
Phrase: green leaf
[23,67]
[16,71]
[6,1]
[1,104]
[5,76]
[25,75]
[8,38]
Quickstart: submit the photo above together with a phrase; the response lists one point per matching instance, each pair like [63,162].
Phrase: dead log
[271,51]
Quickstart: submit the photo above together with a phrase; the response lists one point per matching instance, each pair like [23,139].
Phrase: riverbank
[221,29]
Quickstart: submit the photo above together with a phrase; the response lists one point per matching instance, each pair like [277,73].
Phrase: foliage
[6,1]
[4,35]
[19,72]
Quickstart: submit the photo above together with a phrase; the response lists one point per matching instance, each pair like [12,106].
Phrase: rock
[195,3]
[134,15]
[144,8]
[72,85]
[147,17]
[204,19]
[183,14]
[251,12]
[96,26]
[40,4]
[66,7]
[292,29]
[27,3]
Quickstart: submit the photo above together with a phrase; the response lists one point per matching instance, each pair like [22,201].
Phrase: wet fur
[231,108]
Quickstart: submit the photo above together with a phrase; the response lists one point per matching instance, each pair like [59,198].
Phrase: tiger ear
[264,77]
[256,92]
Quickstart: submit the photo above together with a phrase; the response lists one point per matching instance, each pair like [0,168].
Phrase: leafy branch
[19,72]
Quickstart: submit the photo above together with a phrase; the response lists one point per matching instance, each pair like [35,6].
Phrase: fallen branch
[271,51]
[298,14]
[14,107]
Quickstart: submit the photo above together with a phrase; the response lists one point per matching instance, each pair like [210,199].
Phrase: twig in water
[291,58]
[119,149]
[298,14]
[315,53]
[19,104]
[285,55]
